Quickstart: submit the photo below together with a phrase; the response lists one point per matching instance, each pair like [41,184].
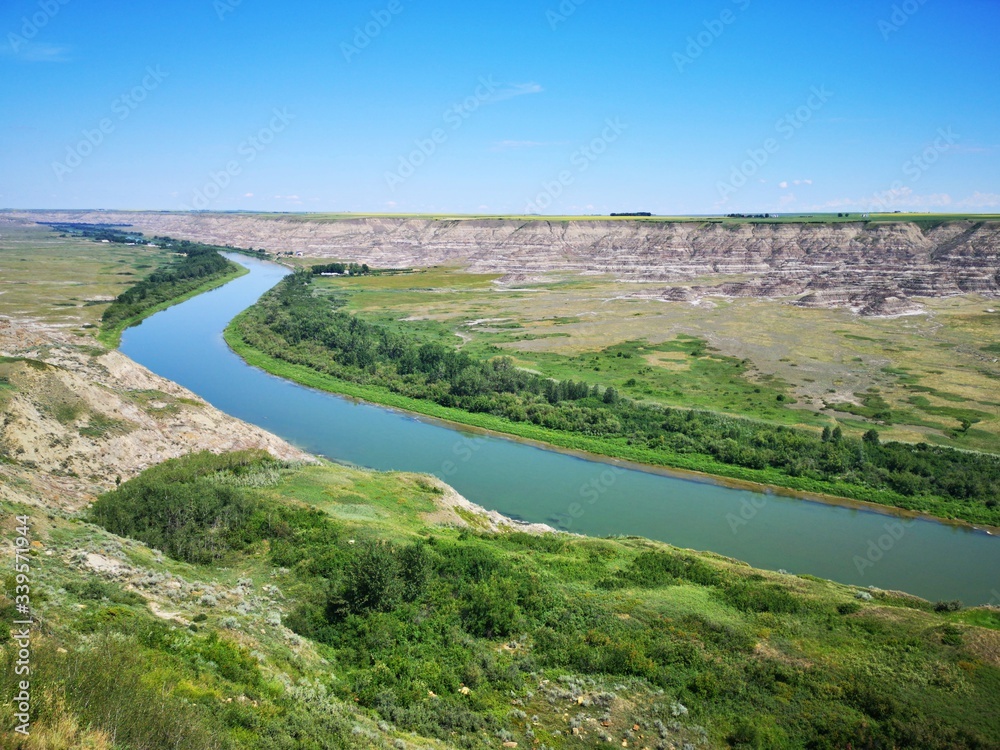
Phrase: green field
[757,358]
[67,281]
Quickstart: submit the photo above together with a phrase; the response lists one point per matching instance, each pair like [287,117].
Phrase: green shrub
[654,569]
[197,522]
[951,636]
[415,571]
[372,582]
[757,733]
[178,509]
[753,597]
[490,608]
[93,589]
[231,661]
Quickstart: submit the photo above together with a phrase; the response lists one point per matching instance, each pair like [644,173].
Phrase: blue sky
[534,106]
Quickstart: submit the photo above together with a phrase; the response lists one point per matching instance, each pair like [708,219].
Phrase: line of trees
[351,269]
[98,232]
[200,264]
[292,324]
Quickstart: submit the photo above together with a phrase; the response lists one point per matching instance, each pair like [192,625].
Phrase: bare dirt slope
[875,269]
[74,418]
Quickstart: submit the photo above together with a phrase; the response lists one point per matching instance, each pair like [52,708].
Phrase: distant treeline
[749,216]
[351,269]
[97,232]
[637,213]
[183,246]
[115,233]
[200,265]
[291,324]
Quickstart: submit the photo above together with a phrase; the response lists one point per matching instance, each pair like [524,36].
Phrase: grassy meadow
[924,378]
[67,281]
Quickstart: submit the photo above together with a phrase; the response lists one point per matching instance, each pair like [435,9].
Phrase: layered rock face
[873,268]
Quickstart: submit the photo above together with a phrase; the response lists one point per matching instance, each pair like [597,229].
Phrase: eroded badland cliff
[873,268]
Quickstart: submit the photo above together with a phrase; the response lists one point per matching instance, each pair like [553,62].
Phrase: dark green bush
[96,590]
[490,608]
[372,582]
[194,509]
[754,597]
[197,521]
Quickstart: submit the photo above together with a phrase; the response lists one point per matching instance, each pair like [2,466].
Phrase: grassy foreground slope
[253,604]
[299,333]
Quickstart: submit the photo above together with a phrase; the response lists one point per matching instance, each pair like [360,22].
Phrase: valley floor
[263,599]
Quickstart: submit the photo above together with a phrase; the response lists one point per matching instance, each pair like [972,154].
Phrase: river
[850,545]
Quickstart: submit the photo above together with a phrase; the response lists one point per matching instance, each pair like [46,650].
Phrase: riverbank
[112,337]
[700,468]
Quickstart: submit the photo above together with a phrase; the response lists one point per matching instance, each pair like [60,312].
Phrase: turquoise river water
[847,544]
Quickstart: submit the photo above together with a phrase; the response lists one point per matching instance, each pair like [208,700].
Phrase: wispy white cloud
[901,198]
[511,145]
[36,52]
[786,183]
[512,90]
[981,200]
